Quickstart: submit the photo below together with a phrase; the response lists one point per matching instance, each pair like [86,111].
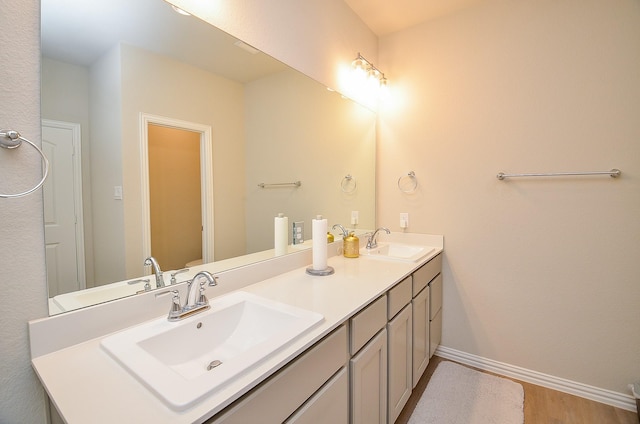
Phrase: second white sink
[182,362]
[397,252]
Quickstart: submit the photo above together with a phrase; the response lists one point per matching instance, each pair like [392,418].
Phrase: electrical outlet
[404,220]
[355,215]
[298,232]
[117,192]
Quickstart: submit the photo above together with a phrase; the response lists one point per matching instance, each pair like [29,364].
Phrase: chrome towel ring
[348,184]
[408,183]
[10,139]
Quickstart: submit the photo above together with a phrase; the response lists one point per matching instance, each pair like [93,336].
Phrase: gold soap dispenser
[350,242]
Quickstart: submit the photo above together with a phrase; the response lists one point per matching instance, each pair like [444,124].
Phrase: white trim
[609,397]
[206,175]
[76,140]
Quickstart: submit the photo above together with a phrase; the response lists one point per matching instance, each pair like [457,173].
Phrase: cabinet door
[330,405]
[400,367]
[369,382]
[420,334]
[435,296]
[435,331]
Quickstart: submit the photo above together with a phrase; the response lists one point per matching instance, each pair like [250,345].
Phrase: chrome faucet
[156,270]
[345,233]
[196,300]
[372,243]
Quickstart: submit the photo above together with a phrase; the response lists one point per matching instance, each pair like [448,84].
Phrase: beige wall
[24,291]
[338,136]
[106,167]
[65,97]
[539,273]
[150,85]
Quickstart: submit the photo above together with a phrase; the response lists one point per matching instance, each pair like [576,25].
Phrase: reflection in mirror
[114,72]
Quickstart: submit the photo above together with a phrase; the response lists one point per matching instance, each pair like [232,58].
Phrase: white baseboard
[619,400]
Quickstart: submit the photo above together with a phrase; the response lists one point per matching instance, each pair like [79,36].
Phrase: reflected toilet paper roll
[319,239]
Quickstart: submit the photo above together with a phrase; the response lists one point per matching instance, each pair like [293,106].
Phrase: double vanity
[276,345]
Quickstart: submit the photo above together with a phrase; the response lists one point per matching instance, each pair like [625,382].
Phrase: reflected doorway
[174,195]
[177,187]
[63,215]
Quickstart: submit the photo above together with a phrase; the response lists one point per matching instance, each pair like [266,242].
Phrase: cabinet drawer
[277,398]
[399,297]
[425,273]
[367,323]
[435,295]
[329,405]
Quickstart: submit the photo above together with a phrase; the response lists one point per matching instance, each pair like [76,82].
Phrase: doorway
[177,191]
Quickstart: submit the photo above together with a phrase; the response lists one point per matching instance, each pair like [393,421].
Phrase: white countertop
[87,385]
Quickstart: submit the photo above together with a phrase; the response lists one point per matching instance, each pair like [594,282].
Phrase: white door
[63,208]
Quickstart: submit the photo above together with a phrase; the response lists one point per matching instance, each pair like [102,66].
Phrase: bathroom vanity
[381,323]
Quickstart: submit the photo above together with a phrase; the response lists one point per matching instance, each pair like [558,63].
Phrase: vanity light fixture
[363,66]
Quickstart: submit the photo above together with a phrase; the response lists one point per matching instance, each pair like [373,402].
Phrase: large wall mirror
[161,129]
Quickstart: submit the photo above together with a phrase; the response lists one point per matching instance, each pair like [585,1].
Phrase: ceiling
[384,16]
[81,31]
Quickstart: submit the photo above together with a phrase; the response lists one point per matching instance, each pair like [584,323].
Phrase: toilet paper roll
[280,234]
[319,246]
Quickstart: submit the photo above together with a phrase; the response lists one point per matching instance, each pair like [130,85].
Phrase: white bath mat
[459,395]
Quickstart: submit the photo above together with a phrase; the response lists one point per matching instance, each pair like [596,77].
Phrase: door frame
[76,140]
[206,179]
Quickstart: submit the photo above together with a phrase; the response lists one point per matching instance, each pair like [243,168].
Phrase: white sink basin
[397,252]
[184,361]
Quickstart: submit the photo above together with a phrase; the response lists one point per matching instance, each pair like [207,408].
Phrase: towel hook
[10,139]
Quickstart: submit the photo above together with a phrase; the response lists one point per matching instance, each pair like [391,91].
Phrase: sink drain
[213,364]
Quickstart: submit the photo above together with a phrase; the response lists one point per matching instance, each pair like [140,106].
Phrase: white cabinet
[368,369]
[387,346]
[427,321]
[400,368]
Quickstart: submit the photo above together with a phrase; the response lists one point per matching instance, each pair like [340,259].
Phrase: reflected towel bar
[614,173]
[266,185]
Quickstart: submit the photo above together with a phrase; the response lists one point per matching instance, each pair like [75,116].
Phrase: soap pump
[350,242]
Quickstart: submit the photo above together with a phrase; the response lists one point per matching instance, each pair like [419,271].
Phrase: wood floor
[541,405]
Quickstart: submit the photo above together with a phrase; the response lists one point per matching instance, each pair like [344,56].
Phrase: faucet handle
[174,273]
[202,299]
[176,308]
